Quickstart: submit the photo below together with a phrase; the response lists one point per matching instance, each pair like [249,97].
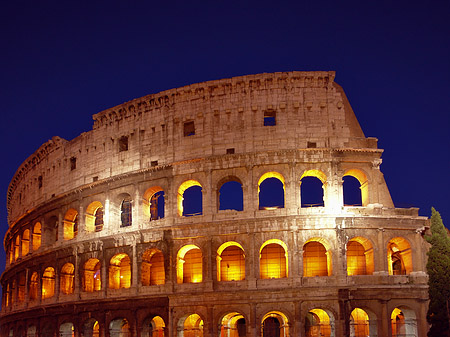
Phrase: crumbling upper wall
[310,109]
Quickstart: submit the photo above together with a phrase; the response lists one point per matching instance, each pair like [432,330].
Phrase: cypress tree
[438,268]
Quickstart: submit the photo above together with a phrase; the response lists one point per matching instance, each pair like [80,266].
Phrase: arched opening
[48,283]
[66,278]
[126,212]
[21,290]
[190,196]
[271,191]
[8,296]
[275,324]
[51,231]
[153,327]
[356,188]
[31,331]
[120,271]
[70,224]
[231,196]
[316,259]
[192,326]
[273,260]
[91,328]
[352,191]
[152,268]
[230,262]
[25,242]
[34,283]
[13,292]
[359,323]
[319,323]
[48,330]
[16,247]
[403,322]
[119,328]
[359,257]
[66,330]
[94,217]
[189,265]
[37,236]
[312,188]
[153,203]
[399,256]
[233,325]
[92,275]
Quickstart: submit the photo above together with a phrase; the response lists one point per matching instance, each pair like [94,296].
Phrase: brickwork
[282,126]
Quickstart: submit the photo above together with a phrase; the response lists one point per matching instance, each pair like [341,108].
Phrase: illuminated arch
[152,268]
[94,217]
[190,326]
[317,258]
[66,330]
[403,322]
[363,322]
[273,259]
[37,231]
[66,278]
[91,328]
[34,286]
[319,322]
[70,224]
[262,194]
[180,197]
[153,327]
[359,257]
[315,173]
[25,242]
[48,283]
[16,247]
[233,324]
[189,264]
[399,256]
[21,288]
[120,271]
[92,275]
[119,328]
[363,181]
[274,324]
[230,194]
[153,203]
[126,211]
[230,262]
[313,190]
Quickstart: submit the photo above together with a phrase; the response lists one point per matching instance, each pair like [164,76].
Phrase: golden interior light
[37,236]
[193,326]
[25,242]
[230,325]
[359,257]
[66,278]
[273,259]
[48,283]
[399,256]
[362,178]
[152,267]
[91,275]
[180,197]
[146,199]
[315,173]
[189,264]
[359,323]
[90,215]
[69,221]
[230,262]
[271,175]
[120,271]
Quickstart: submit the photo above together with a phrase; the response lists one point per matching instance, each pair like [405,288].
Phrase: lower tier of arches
[328,312]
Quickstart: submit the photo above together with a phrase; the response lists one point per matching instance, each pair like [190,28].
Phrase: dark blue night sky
[63,61]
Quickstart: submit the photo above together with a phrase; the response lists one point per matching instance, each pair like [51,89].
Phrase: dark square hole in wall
[73,163]
[312,145]
[94,179]
[230,151]
[189,129]
[154,163]
[270,118]
[123,143]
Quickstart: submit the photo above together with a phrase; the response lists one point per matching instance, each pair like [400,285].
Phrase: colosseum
[251,206]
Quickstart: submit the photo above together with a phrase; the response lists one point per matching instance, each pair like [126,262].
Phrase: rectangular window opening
[123,144]
[189,129]
[230,151]
[73,163]
[270,118]
[312,145]
[154,163]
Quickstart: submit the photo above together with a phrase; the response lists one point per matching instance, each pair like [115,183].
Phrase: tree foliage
[438,268]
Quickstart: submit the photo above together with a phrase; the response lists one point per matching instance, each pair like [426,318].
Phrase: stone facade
[101,241]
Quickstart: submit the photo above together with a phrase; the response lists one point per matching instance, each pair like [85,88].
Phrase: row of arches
[318,322]
[230,265]
[271,195]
